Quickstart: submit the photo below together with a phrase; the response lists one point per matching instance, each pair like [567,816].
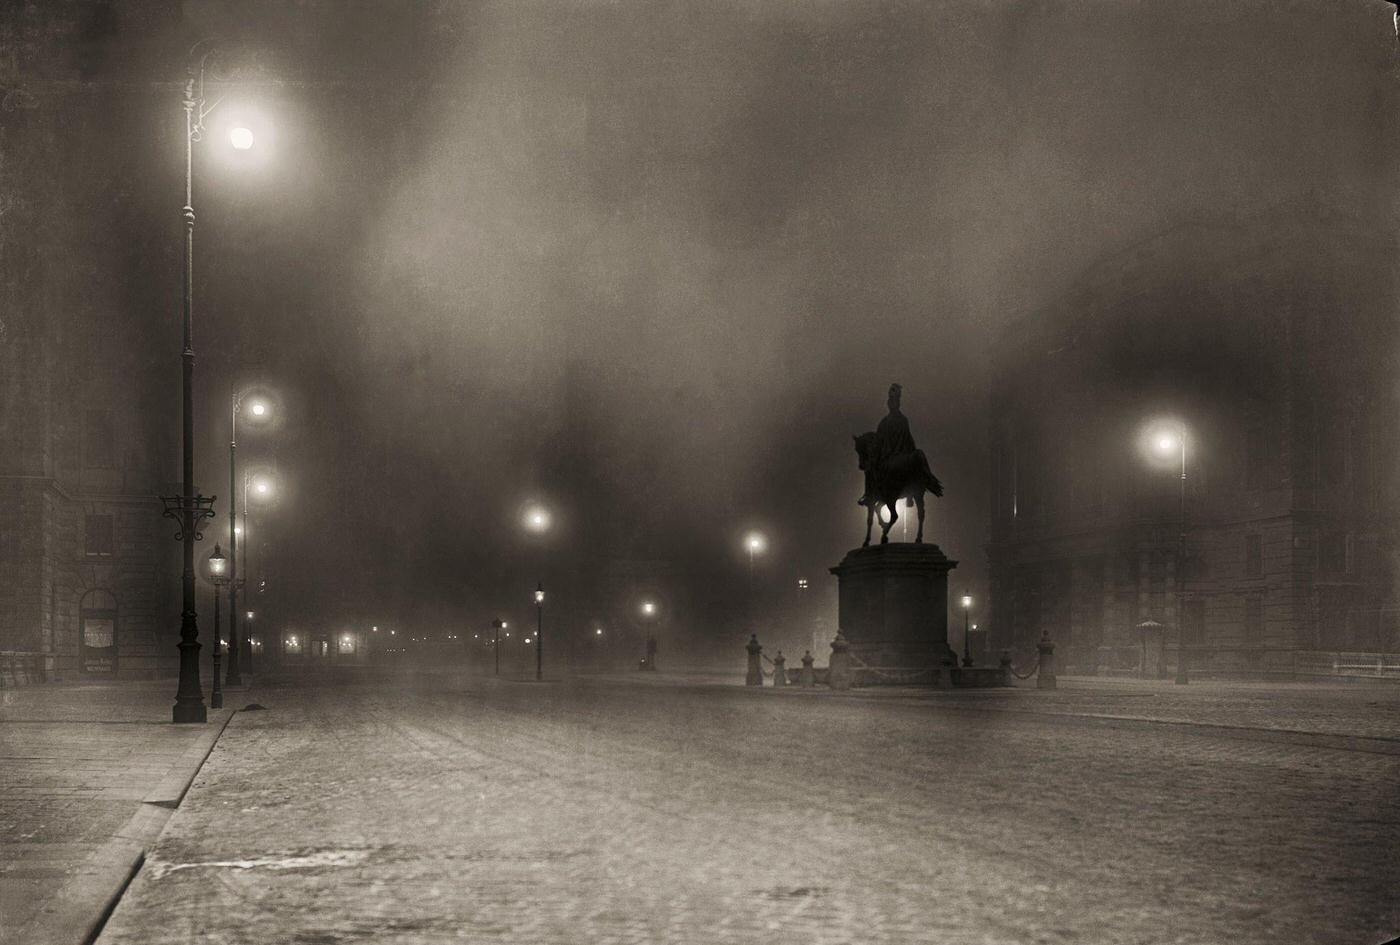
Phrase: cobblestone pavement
[75,763]
[472,810]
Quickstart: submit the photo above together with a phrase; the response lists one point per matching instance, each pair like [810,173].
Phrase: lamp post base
[189,700]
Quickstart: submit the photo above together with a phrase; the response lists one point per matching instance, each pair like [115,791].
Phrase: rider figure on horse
[892,436]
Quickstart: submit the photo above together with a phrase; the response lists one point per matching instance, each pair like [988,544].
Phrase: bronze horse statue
[905,476]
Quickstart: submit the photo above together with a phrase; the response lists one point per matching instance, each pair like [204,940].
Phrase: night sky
[654,263]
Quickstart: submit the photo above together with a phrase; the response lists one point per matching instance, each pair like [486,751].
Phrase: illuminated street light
[241,138]
[497,626]
[967,644]
[1169,438]
[539,632]
[648,608]
[217,568]
[536,518]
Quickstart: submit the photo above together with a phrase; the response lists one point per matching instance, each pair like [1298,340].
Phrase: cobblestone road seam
[78,911]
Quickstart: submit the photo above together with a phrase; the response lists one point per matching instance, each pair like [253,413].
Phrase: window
[1253,618]
[1253,556]
[1332,553]
[1193,620]
[99,444]
[100,539]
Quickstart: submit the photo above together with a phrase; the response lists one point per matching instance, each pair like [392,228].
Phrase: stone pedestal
[894,614]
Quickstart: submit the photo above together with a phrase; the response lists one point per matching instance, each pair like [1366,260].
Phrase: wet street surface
[454,808]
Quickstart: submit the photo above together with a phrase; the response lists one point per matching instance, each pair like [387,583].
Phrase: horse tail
[931,481]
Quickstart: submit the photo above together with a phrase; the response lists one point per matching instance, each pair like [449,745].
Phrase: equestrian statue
[894,469]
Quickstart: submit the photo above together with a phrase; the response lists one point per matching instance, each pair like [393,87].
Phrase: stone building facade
[1273,344]
[89,355]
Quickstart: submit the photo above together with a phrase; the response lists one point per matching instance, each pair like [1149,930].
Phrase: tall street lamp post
[539,632]
[754,544]
[497,626]
[188,508]
[967,637]
[1174,440]
[218,576]
[258,410]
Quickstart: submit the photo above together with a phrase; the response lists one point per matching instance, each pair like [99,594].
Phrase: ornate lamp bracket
[200,508]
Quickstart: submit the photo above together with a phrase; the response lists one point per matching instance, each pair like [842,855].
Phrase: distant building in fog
[1275,343]
[89,363]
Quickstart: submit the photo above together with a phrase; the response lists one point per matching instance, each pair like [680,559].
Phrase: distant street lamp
[539,632]
[259,410]
[537,518]
[755,543]
[497,626]
[218,570]
[967,638]
[1168,440]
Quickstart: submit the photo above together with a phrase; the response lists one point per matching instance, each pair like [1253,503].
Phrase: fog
[654,264]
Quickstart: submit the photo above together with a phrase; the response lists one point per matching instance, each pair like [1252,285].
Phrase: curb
[80,908]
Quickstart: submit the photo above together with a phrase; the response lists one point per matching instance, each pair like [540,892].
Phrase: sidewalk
[89,774]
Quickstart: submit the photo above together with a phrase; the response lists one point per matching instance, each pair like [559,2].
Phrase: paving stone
[603,811]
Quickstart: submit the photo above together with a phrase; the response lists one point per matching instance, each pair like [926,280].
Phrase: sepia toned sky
[655,263]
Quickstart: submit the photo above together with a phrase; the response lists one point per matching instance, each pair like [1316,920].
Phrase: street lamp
[539,632]
[967,639]
[218,571]
[755,543]
[497,626]
[537,518]
[1167,440]
[189,508]
[259,411]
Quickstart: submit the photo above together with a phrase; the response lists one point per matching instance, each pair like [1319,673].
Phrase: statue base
[894,615]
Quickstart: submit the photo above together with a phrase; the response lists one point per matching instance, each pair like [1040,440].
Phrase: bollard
[1006,668]
[839,675]
[1046,678]
[755,676]
[808,679]
[780,669]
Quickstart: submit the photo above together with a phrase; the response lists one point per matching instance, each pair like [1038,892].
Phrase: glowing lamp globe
[241,138]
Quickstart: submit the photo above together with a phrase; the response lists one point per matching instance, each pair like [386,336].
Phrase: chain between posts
[900,677]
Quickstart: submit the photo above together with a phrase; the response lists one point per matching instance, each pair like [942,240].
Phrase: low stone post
[1006,668]
[808,679]
[780,669]
[1046,677]
[755,676]
[839,674]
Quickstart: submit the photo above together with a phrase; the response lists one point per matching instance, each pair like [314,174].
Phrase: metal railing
[1369,665]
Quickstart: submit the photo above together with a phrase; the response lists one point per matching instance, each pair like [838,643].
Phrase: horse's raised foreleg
[869,516]
[919,501]
[886,526]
